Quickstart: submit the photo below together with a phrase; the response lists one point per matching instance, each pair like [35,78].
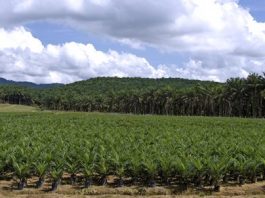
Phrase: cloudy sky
[46,41]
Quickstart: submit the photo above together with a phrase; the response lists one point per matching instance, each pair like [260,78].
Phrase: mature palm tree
[255,84]
[235,92]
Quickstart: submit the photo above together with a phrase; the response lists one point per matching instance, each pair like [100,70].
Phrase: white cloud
[23,57]
[19,38]
[176,25]
[221,38]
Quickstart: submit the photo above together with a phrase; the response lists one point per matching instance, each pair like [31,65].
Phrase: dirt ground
[8,189]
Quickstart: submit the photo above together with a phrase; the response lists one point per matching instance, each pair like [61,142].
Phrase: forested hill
[114,85]
[244,97]
[28,84]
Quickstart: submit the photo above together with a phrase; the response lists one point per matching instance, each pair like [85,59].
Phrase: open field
[85,154]
[17,108]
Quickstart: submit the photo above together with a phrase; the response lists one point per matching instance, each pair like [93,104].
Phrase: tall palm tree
[255,84]
[235,92]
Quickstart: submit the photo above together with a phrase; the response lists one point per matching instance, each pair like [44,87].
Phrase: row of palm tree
[243,97]
[146,150]
[237,97]
[143,169]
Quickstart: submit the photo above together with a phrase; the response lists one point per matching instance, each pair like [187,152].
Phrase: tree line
[242,97]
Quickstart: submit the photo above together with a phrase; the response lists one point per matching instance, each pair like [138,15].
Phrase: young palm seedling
[87,167]
[166,169]
[41,170]
[102,169]
[119,168]
[197,168]
[22,172]
[182,170]
[88,174]
[217,168]
[150,170]
[56,174]
[72,168]
[238,168]
[133,169]
[252,167]
[120,172]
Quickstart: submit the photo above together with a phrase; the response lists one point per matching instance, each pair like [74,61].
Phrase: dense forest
[243,97]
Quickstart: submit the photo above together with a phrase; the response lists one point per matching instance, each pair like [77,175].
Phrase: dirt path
[67,191]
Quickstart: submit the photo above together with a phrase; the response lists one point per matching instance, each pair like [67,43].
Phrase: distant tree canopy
[244,97]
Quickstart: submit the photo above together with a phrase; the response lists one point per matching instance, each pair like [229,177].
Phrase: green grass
[17,108]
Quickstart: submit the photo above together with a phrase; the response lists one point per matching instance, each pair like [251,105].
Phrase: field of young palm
[87,149]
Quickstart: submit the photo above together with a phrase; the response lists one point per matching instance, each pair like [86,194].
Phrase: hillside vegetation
[242,97]
[28,84]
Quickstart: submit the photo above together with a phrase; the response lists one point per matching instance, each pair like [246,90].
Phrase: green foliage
[21,170]
[41,168]
[242,97]
[144,148]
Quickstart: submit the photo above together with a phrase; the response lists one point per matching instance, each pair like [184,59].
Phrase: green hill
[114,85]
[28,84]
[166,96]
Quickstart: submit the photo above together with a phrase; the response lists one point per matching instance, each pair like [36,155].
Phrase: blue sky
[256,7]
[58,34]
[69,40]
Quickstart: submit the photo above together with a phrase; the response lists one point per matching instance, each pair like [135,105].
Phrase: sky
[64,41]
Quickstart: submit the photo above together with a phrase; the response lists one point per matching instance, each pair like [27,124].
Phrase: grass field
[17,108]
[113,154]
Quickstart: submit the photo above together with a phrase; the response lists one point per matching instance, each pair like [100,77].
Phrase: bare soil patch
[8,189]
